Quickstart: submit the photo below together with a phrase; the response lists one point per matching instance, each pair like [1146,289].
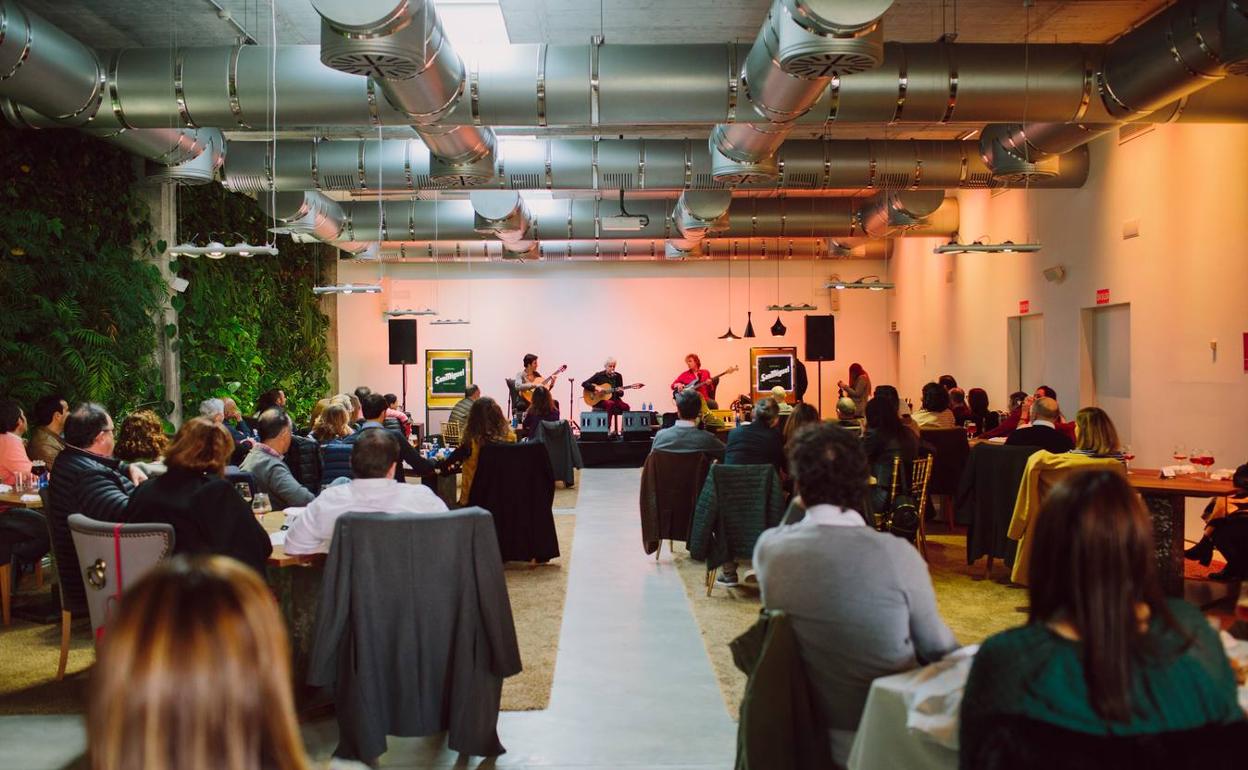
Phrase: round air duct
[821,38]
[375,38]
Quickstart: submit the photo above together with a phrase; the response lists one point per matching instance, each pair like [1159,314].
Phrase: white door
[1107,340]
[1025,356]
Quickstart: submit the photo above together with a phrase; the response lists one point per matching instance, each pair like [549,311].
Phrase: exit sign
[1102,296]
[1024,306]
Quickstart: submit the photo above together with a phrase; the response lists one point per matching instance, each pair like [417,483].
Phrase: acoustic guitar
[699,383]
[548,383]
[605,392]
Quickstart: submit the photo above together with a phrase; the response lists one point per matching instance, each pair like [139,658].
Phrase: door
[1025,356]
[1106,376]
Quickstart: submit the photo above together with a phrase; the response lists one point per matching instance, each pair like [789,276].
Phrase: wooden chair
[21,531]
[67,617]
[452,433]
[920,474]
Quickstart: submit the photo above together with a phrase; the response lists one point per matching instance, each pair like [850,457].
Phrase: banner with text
[447,373]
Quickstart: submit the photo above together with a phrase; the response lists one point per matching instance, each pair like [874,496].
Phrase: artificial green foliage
[78,292]
[248,323]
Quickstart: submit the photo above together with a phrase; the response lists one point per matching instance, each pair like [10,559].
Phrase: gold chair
[452,432]
[921,473]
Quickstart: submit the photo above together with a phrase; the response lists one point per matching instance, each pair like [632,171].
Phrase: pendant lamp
[749,316]
[730,335]
[777,329]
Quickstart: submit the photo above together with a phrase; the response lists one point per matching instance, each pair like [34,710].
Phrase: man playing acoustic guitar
[529,379]
[604,389]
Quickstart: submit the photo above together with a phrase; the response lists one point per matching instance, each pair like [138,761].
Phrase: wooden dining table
[14,499]
[1166,499]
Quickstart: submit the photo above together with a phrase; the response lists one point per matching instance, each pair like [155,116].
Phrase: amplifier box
[594,426]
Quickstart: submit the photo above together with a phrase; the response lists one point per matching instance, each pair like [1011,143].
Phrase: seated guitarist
[528,379]
[608,381]
[695,373]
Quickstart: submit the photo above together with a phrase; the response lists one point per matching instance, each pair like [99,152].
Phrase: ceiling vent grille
[524,181]
[376,64]
[338,182]
[249,183]
[615,180]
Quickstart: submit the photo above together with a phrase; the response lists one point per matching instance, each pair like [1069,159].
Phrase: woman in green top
[1103,652]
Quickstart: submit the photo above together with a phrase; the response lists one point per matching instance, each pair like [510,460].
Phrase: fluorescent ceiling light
[449,322]
[868,282]
[979,247]
[410,312]
[789,307]
[348,288]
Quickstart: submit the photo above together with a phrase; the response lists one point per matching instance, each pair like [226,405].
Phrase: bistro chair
[114,556]
[452,432]
[919,476]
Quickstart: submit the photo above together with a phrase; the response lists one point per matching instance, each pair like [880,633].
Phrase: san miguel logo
[775,374]
[450,376]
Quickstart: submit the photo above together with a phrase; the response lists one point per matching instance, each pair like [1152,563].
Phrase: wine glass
[1128,454]
[260,504]
[244,490]
[1203,458]
[1179,453]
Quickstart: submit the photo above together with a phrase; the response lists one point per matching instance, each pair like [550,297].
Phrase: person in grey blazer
[685,435]
[849,631]
[264,461]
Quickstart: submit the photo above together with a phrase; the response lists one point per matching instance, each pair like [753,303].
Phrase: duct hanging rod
[224,14]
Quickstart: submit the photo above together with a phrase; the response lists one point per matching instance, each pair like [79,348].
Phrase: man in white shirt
[372,490]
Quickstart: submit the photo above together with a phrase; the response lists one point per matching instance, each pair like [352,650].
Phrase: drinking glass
[1204,459]
[260,504]
[23,483]
[1179,453]
[1128,454]
[244,490]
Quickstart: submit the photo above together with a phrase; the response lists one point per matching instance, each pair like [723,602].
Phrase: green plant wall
[78,293]
[247,324]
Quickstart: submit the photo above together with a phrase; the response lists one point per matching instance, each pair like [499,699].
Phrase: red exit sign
[1102,296]
[1024,306]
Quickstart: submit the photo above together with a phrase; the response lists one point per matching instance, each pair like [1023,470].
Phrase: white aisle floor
[633,686]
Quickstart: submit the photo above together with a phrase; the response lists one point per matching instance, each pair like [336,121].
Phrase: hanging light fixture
[410,312]
[215,249]
[348,288]
[979,247]
[777,329]
[730,335]
[871,282]
[449,322]
[749,316]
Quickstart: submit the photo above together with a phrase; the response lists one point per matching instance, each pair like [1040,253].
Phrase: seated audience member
[1042,432]
[885,439]
[239,430]
[273,398]
[781,397]
[486,424]
[806,414]
[1226,520]
[207,513]
[394,413]
[1044,391]
[846,638]
[1095,434]
[541,409]
[845,411]
[265,463]
[685,435]
[373,488]
[1103,652]
[934,412]
[459,412]
[13,457]
[317,410]
[947,382]
[757,442]
[957,405]
[141,441]
[374,407]
[45,440]
[890,395]
[332,424]
[980,415]
[213,409]
[1013,418]
[194,672]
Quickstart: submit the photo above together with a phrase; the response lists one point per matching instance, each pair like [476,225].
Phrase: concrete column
[329,306]
[163,209]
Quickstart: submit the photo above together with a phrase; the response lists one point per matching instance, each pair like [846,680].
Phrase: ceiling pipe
[1180,50]
[802,45]
[309,215]
[635,249]
[400,45]
[697,214]
[360,165]
[895,212]
[504,215]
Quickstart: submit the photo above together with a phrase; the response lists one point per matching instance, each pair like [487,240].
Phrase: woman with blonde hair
[194,674]
[486,424]
[208,515]
[1095,434]
[333,424]
[317,409]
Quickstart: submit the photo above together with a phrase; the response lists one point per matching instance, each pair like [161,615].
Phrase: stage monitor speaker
[403,341]
[820,338]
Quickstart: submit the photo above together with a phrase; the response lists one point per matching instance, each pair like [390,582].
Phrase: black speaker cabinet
[402,340]
[820,338]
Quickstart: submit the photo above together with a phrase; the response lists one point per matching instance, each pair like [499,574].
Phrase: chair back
[950,451]
[561,447]
[736,504]
[63,578]
[516,484]
[114,556]
[670,485]
[920,477]
[452,432]
[241,477]
[516,405]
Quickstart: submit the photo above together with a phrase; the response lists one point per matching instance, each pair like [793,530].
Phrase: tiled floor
[633,687]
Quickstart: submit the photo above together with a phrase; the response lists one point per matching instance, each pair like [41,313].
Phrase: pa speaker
[402,340]
[820,338]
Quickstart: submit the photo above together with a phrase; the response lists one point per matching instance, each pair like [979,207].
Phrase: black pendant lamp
[749,316]
[778,329]
[729,335]
[749,324]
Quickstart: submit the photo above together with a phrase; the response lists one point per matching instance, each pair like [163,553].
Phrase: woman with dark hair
[801,416]
[947,381]
[981,416]
[858,388]
[887,437]
[935,412]
[1013,418]
[957,405]
[208,515]
[541,409]
[195,673]
[141,441]
[1226,520]
[1103,651]
[485,424]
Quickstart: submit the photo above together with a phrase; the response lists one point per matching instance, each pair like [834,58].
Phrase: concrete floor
[633,686]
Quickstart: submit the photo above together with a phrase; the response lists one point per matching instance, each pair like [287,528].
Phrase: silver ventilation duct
[230,87]
[401,46]
[580,219]
[1179,51]
[503,214]
[606,164]
[178,155]
[896,211]
[632,249]
[802,45]
[309,214]
[697,214]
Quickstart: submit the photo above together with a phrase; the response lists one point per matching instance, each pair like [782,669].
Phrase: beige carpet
[537,594]
[29,652]
[566,497]
[973,608]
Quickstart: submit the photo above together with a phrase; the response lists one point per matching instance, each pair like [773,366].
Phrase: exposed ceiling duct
[401,46]
[697,214]
[895,212]
[647,164]
[615,249]
[308,215]
[1180,50]
[503,214]
[802,45]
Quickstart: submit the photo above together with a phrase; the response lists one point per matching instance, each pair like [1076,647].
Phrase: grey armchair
[113,556]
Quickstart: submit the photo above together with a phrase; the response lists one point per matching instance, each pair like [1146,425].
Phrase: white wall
[647,314]
[1185,277]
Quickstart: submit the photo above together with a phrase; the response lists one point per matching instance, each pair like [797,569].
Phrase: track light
[411,312]
[791,308]
[348,288]
[218,250]
[870,282]
[979,247]
[449,322]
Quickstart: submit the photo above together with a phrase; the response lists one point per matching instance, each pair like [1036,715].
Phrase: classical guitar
[605,392]
[699,383]
[548,383]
